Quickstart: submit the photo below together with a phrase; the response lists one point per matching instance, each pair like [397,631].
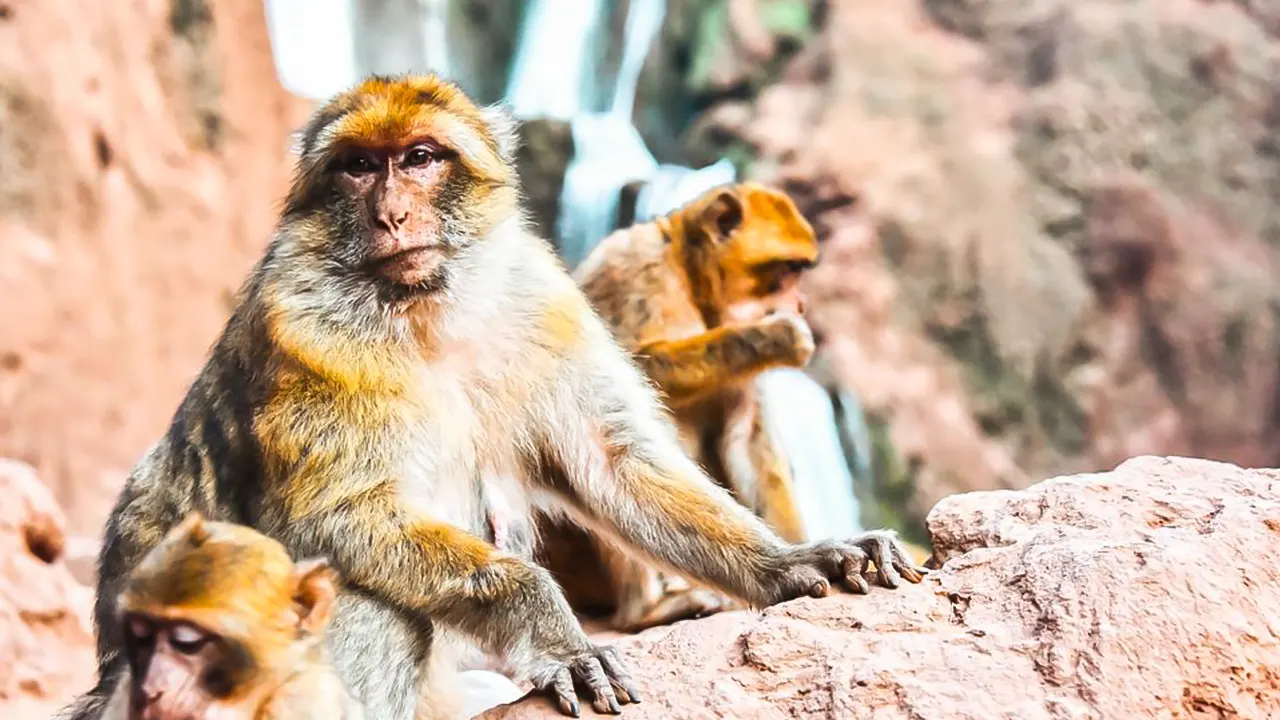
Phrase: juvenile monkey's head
[215,613]
[744,247]
[400,175]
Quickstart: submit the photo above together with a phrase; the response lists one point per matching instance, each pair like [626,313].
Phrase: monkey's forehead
[385,111]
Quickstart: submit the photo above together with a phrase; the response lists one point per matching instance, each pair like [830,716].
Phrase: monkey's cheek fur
[412,267]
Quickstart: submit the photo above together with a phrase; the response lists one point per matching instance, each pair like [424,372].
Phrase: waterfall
[311,45]
[550,73]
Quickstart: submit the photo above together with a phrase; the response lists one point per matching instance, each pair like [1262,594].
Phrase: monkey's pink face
[396,193]
[178,670]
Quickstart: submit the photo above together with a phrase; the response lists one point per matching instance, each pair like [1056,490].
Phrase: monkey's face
[405,175]
[393,198]
[179,670]
[760,248]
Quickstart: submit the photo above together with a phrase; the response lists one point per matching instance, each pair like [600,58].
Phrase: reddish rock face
[143,147]
[46,636]
[1145,592]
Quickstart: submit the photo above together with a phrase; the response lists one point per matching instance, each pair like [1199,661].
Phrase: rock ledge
[1149,591]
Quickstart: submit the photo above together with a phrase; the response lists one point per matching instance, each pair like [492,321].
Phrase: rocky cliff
[143,150]
[1147,592]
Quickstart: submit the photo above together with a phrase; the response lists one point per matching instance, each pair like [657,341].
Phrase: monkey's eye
[357,165]
[418,156]
[187,639]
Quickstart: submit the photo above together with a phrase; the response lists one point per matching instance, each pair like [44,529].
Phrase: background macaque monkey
[408,375]
[706,298]
[219,622]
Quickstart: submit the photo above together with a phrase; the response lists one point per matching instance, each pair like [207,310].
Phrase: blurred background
[1048,227]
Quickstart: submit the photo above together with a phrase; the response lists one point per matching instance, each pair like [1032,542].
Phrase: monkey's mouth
[414,266]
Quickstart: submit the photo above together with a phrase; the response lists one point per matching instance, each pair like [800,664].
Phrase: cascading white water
[550,73]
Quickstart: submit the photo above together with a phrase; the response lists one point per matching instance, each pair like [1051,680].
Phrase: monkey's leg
[379,654]
[439,573]
[645,598]
[690,368]
[757,469]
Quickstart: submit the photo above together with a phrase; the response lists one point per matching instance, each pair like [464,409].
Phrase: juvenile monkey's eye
[186,639]
[418,156]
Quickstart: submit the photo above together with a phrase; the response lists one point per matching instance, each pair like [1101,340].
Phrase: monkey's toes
[591,673]
[562,688]
[619,678]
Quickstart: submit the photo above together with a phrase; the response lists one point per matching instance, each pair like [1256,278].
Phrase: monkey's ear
[505,129]
[723,214]
[315,587]
[192,527]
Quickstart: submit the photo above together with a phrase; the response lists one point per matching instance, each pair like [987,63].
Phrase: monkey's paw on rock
[46,638]
[1149,591]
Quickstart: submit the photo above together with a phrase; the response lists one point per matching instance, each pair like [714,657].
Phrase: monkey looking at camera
[218,622]
[407,376]
[706,298]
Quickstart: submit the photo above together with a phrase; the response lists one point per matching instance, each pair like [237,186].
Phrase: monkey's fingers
[562,688]
[900,558]
[882,555]
[591,674]
[852,569]
[618,675]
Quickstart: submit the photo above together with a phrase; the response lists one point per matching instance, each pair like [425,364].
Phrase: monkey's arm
[510,606]
[616,463]
[690,368]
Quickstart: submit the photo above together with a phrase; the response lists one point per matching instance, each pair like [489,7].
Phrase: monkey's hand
[788,339]
[808,569]
[599,670]
[562,654]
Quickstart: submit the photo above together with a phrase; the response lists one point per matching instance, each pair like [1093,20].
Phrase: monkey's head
[401,175]
[744,247]
[213,614]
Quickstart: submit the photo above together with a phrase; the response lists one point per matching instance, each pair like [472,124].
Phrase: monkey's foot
[680,605]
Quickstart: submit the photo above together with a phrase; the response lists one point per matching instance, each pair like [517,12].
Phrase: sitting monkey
[705,298]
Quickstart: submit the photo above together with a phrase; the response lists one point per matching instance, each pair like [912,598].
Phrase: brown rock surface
[1146,592]
[142,154]
[46,637]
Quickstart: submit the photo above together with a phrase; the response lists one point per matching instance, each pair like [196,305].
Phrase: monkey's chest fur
[460,460]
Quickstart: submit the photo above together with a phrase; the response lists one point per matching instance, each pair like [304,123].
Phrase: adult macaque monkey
[218,622]
[408,374]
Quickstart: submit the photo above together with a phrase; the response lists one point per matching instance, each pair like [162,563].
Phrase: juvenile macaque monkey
[706,298]
[408,375]
[219,623]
